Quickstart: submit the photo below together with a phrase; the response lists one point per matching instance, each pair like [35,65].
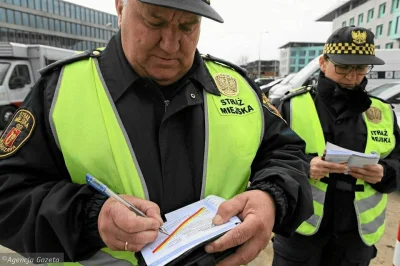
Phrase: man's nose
[170,40]
[352,74]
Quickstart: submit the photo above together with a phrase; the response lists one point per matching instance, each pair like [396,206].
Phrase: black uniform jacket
[42,211]
[340,112]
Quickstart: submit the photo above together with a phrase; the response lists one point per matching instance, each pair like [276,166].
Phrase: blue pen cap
[96,184]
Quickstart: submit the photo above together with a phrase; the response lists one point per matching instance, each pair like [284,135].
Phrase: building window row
[370,14]
[68,10]
[294,53]
[10,35]
[39,22]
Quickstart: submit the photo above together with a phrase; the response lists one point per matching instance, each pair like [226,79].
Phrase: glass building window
[3,35]
[45,23]
[87,15]
[101,19]
[50,6]
[370,15]
[8,2]
[51,24]
[293,53]
[115,24]
[62,8]
[57,25]
[91,16]
[382,9]
[2,15]
[93,32]
[18,19]
[39,22]
[56,7]
[78,30]
[379,30]
[96,17]
[360,19]
[73,28]
[10,16]
[37,4]
[97,33]
[351,22]
[101,34]
[62,23]
[83,30]
[344,24]
[395,5]
[44,5]
[25,19]
[11,35]
[31,4]
[83,17]
[68,26]
[24,3]
[396,30]
[389,28]
[17,2]
[389,46]
[19,36]
[32,21]
[78,12]
[302,61]
[67,10]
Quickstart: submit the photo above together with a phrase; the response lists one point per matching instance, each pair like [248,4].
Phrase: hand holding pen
[118,229]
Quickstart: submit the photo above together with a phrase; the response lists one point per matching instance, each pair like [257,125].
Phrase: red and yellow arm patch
[18,131]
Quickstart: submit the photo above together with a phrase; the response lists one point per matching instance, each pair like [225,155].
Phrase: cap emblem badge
[359,37]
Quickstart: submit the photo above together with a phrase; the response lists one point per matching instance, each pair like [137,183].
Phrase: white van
[380,74]
[19,65]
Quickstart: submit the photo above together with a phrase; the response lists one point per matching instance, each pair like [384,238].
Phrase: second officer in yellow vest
[349,209]
[156,121]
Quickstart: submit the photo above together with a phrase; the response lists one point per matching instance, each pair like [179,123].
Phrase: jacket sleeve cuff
[279,197]
[90,233]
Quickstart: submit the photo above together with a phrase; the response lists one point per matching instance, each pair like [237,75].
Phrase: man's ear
[322,63]
[119,5]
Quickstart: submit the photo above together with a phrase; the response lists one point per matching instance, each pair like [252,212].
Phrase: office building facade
[296,55]
[55,23]
[382,17]
[268,68]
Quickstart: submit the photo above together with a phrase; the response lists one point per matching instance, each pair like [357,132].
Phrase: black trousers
[320,250]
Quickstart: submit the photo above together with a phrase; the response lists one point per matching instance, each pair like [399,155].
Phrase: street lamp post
[259,54]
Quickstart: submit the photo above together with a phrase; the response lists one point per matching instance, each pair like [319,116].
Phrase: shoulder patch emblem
[267,104]
[227,85]
[17,132]
[374,115]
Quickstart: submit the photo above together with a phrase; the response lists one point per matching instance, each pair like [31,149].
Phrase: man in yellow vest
[159,124]
[349,204]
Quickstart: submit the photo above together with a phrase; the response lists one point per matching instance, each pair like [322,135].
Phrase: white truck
[19,65]
[388,73]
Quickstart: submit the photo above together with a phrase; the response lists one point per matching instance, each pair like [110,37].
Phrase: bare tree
[243,60]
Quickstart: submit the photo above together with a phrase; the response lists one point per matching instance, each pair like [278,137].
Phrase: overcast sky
[248,20]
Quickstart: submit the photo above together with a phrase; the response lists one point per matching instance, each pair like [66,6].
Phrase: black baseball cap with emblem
[352,46]
[199,7]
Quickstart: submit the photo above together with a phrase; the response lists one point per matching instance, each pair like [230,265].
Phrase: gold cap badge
[374,115]
[227,84]
[359,37]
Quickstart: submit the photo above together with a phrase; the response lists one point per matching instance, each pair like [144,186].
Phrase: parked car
[263,81]
[389,92]
[266,88]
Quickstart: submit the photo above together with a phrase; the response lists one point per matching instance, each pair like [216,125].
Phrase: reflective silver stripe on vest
[206,141]
[53,104]
[373,226]
[318,194]
[102,258]
[313,220]
[369,203]
[146,192]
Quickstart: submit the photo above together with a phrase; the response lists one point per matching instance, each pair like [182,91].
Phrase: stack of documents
[337,154]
